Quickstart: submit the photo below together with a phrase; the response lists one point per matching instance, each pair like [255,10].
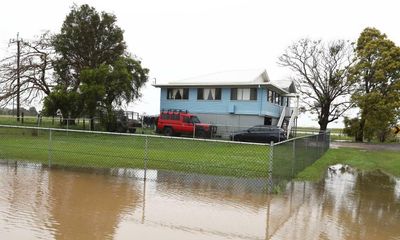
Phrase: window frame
[217,93]
[236,92]
[185,92]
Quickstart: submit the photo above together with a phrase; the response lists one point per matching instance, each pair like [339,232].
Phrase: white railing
[283,114]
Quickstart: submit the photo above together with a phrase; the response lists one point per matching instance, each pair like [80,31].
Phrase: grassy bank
[133,151]
[387,161]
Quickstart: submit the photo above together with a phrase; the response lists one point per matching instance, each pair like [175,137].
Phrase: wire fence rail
[147,125]
[263,165]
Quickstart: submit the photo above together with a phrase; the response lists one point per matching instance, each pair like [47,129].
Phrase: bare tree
[35,70]
[321,72]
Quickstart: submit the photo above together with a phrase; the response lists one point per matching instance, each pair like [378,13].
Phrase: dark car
[260,134]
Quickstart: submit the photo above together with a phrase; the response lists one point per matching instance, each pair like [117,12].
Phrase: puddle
[43,203]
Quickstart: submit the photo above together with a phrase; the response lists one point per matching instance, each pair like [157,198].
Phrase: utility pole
[18,76]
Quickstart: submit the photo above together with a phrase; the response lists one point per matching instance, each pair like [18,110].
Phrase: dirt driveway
[367,146]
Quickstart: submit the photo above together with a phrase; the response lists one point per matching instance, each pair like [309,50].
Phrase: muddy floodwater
[42,203]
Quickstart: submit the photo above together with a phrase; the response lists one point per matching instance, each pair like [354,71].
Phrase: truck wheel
[132,130]
[121,129]
[168,131]
[201,134]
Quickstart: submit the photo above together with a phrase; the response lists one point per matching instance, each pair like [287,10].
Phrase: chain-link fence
[132,123]
[257,133]
[52,122]
[148,156]
[292,156]
[147,125]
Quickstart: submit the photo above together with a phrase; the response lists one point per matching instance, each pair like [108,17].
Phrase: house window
[277,98]
[244,94]
[178,93]
[274,97]
[209,94]
[271,96]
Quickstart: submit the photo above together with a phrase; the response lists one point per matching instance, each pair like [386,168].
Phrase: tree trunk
[324,118]
[91,123]
[323,125]
[360,131]
[382,135]
[111,121]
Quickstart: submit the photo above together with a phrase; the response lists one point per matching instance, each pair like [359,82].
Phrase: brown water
[39,203]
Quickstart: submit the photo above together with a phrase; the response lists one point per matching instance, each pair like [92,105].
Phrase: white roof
[235,77]
[285,84]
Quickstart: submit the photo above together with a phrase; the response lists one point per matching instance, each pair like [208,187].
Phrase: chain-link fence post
[329,140]
[320,138]
[270,166]
[293,157]
[146,144]
[316,146]
[50,147]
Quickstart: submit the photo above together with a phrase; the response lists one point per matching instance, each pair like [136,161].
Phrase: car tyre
[168,131]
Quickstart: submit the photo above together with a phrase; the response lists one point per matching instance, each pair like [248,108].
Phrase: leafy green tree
[87,40]
[109,86]
[92,66]
[351,126]
[321,73]
[376,73]
[69,103]
[32,111]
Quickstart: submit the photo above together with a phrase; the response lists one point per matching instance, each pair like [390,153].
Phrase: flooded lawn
[41,203]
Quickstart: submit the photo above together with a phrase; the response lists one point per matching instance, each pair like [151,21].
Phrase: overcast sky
[177,39]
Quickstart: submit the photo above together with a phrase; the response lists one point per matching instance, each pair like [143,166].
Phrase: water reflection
[397,188]
[89,206]
[347,205]
[24,203]
[41,203]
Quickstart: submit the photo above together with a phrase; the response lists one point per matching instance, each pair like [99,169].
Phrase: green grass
[386,161]
[129,151]
[314,129]
[47,122]
[336,133]
[99,150]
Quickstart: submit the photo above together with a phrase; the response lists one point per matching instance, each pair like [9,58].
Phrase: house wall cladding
[259,107]
[232,120]
[230,123]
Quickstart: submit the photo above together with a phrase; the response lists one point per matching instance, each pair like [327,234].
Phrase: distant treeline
[27,112]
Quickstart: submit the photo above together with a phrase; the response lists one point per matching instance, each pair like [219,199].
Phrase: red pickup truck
[177,122]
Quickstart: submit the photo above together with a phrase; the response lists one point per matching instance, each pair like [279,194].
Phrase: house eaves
[237,78]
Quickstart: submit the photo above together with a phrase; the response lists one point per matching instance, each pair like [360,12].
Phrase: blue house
[235,98]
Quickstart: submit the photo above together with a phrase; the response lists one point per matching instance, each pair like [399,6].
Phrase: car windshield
[195,119]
